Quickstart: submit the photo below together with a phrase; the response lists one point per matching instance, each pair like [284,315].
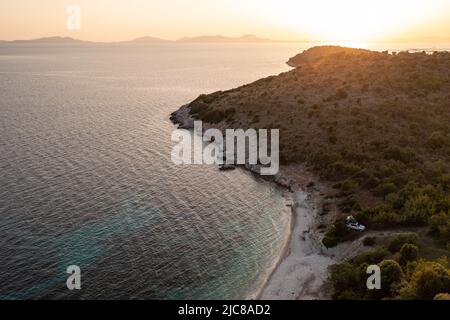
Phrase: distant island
[146,40]
[248,38]
[218,38]
[48,40]
[374,129]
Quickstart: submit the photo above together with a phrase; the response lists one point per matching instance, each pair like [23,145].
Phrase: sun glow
[352,20]
[333,21]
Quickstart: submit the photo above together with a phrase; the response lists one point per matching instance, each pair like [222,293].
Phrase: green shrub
[387,219]
[330,241]
[440,224]
[395,200]
[371,182]
[386,188]
[343,276]
[229,113]
[371,257]
[369,241]
[347,295]
[340,170]
[350,185]
[198,106]
[210,98]
[408,253]
[398,153]
[419,209]
[442,296]
[397,242]
[380,216]
[437,140]
[322,160]
[213,116]
[428,280]
[391,276]
[348,204]
[444,180]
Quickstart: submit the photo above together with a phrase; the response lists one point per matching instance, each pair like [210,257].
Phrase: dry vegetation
[374,125]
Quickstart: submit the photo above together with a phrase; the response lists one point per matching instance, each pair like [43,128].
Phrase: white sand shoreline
[303,270]
[256,294]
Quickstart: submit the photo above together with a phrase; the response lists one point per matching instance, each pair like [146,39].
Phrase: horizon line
[245,37]
[222,38]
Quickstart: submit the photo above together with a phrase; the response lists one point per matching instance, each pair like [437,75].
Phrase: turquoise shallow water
[87,177]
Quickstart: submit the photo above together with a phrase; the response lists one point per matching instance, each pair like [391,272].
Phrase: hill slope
[375,125]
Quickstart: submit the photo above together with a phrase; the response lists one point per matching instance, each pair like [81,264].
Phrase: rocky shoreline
[184,120]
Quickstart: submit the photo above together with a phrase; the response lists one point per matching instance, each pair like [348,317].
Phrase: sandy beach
[302,272]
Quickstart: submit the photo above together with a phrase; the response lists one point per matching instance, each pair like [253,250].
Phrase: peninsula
[373,128]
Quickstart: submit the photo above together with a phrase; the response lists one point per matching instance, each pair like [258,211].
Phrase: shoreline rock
[182,118]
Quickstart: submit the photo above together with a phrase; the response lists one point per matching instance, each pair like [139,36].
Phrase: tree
[408,253]
[344,277]
[419,209]
[397,242]
[391,276]
[442,296]
[440,224]
[428,280]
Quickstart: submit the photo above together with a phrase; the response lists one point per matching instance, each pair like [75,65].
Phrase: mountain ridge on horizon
[250,38]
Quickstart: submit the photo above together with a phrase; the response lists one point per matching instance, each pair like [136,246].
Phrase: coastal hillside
[373,125]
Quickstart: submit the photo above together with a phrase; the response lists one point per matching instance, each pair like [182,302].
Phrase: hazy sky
[344,20]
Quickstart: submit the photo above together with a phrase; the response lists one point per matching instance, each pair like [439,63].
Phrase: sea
[87,177]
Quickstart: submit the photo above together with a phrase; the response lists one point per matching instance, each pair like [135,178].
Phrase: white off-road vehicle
[352,224]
